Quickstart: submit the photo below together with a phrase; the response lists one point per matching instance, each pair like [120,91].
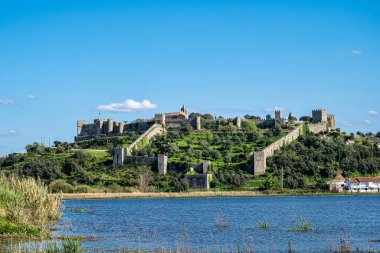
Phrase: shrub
[61,185]
[83,189]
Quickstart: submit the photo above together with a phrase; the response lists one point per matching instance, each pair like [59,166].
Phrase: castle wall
[199,181]
[260,157]
[317,128]
[147,135]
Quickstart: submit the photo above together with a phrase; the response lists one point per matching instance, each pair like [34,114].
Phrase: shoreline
[199,194]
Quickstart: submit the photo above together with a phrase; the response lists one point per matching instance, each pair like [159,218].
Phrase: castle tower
[162,164]
[109,126]
[121,127]
[319,116]
[238,122]
[185,110]
[163,119]
[331,121]
[198,123]
[80,125]
[277,116]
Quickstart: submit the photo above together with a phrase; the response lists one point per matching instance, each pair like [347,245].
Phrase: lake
[223,224]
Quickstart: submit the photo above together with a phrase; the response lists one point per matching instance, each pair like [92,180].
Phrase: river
[223,224]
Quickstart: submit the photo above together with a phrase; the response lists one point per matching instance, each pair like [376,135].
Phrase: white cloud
[356,52]
[347,123]
[128,105]
[9,133]
[276,108]
[373,113]
[31,97]
[367,122]
[6,101]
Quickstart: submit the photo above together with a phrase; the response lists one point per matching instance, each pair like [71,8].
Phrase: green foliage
[28,205]
[264,225]
[302,225]
[312,159]
[272,183]
[61,185]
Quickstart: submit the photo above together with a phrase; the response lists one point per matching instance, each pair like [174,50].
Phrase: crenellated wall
[260,157]
[154,130]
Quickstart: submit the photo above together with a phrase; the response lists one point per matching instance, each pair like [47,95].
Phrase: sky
[65,60]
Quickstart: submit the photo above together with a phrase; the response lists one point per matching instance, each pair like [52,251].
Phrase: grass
[28,207]
[264,225]
[302,225]
[69,245]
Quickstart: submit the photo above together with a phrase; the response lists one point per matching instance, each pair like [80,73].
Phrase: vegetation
[26,206]
[264,225]
[313,159]
[68,245]
[302,225]
[87,166]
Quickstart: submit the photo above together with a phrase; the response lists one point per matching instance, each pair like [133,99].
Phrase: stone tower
[277,115]
[331,121]
[185,110]
[80,124]
[238,122]
[319,116]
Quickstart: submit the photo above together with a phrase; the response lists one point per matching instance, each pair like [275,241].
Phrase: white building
[363,184]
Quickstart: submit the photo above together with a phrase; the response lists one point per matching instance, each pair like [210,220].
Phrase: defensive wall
[144,139]
[260,157]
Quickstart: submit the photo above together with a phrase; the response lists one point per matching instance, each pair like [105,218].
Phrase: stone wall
[159,163]
[154,130]
[260,157]
[317,128]
[199,181]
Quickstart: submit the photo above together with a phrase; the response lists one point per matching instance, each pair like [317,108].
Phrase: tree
[306,119]
[194,115]
[378,135]
[207,116]
[144,178]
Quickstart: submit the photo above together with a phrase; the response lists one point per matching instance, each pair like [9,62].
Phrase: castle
[320,122]
[108,127]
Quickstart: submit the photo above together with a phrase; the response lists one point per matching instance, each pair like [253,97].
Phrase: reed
[302,225]
[264,225]
[28,204]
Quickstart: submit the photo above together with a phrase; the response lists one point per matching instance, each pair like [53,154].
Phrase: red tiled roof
[364,179]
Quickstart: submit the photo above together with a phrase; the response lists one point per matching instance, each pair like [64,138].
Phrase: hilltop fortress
[320,122]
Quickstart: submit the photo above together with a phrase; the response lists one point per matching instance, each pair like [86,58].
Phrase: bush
[61,185]
[83,189]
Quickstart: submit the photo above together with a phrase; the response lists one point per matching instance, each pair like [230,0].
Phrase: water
[191,223]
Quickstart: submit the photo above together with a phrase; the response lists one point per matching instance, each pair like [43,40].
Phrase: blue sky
[61,60]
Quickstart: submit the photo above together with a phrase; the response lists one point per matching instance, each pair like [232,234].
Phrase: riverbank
[198,194]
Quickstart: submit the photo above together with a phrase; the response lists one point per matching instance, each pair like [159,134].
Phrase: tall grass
[302,225]
[27,203]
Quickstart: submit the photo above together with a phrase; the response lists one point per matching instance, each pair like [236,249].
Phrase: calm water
[191,223]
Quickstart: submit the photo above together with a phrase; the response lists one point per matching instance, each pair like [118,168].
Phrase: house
[349,142]
[337,184]
[363,184]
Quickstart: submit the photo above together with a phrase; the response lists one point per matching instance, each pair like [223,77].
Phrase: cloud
[356,52]
[31,97]
[8,133]
[128,105]
[373,113]
[347,123]
[6,101]
[276,108]
[367,122]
